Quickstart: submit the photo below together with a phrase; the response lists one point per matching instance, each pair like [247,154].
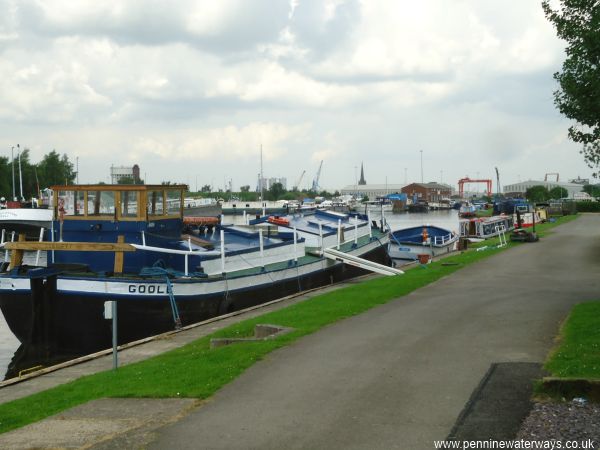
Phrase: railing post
[295,246]
[339,233]
[369,222]
[355,231]
[262,247]
[37,256]
[222,251]
[321,238]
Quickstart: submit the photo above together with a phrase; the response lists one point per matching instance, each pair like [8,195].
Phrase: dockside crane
[297,184]
[497,182]
[315,183]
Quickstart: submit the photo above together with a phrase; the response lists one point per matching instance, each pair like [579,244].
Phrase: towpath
[399,375]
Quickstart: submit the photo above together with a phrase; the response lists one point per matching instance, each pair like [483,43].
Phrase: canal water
[445,219]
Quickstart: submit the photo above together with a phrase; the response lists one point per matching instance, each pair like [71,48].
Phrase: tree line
[275,192]
[53,169]
[543,194]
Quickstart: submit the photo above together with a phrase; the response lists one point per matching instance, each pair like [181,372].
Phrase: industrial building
[371,190]
[519,189]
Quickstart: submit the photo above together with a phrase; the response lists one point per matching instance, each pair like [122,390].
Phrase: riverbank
[196,371]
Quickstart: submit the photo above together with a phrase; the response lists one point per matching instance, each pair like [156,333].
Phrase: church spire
[362,181]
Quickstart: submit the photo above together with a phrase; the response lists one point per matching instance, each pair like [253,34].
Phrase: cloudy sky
[190,90]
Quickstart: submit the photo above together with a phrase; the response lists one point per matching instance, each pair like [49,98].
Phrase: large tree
[577,22]
[537,194]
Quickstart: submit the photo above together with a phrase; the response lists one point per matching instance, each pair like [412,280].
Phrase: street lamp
[12,152]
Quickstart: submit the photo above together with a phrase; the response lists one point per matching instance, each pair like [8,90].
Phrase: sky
[191,90]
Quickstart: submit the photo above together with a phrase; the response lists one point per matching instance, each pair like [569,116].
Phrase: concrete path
[399,375]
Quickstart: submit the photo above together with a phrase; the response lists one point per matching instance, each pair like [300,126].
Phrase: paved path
[399,375]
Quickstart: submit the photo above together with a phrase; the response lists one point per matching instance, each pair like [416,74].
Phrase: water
[445,219]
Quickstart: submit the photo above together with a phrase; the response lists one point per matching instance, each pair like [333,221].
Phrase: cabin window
[155,203]
[70,203]
[173,202]
[67,205]
[100,203]
[129,203]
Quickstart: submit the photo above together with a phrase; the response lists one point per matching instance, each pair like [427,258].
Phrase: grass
[578,353]
[196,371]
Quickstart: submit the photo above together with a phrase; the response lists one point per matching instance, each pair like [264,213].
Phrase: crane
[497,182]
[315,183]
[297,184]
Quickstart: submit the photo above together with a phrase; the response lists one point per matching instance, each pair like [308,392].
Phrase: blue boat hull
[57,324]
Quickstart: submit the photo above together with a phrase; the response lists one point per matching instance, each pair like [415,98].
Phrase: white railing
[441,240]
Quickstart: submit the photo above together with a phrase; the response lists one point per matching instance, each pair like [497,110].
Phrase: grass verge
[196,371]
[574,365]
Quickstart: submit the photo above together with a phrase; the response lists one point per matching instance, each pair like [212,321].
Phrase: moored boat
[430,240]
[486,227]
[125,243]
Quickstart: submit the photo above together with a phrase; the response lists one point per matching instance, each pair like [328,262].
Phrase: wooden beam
[16,257]
[69,246]
[119,255]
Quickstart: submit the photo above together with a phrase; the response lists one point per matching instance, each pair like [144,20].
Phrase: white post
[295,246]
[339,233]
[5,251]
[264,210]
[262,247]
[355,230]
[244,216]
[37,256]
[143,238]
[369,222]
[321,238]
[222,219]
[185,269]
[222,251]
[190,243]
[3,233]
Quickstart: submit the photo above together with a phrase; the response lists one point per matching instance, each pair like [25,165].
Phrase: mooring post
[16,257]
[119,255]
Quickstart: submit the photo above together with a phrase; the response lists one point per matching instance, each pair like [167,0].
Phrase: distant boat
[486,227]
[419,207]
[430,240]
[467,210]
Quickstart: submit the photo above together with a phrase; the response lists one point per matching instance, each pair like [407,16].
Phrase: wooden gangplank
[17,248]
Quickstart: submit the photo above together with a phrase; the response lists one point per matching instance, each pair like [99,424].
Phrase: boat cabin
[110,213]
[118,202]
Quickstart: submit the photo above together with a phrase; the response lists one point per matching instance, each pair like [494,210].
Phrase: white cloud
[183,86]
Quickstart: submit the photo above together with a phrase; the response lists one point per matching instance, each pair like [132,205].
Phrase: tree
[577,22]
[593,190]
[245,188]
[54,170]
[205,188]
[558,192]
[275,191]
[537,194]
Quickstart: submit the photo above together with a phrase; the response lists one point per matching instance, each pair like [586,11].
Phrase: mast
[262,178]
[12,152]
[20,174]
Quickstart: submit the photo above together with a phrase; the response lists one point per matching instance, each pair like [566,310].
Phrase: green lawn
[196,371]
[578,353]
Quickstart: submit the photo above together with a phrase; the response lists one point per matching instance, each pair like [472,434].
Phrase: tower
[362,181]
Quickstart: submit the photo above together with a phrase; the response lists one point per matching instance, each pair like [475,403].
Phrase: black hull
[74,325]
